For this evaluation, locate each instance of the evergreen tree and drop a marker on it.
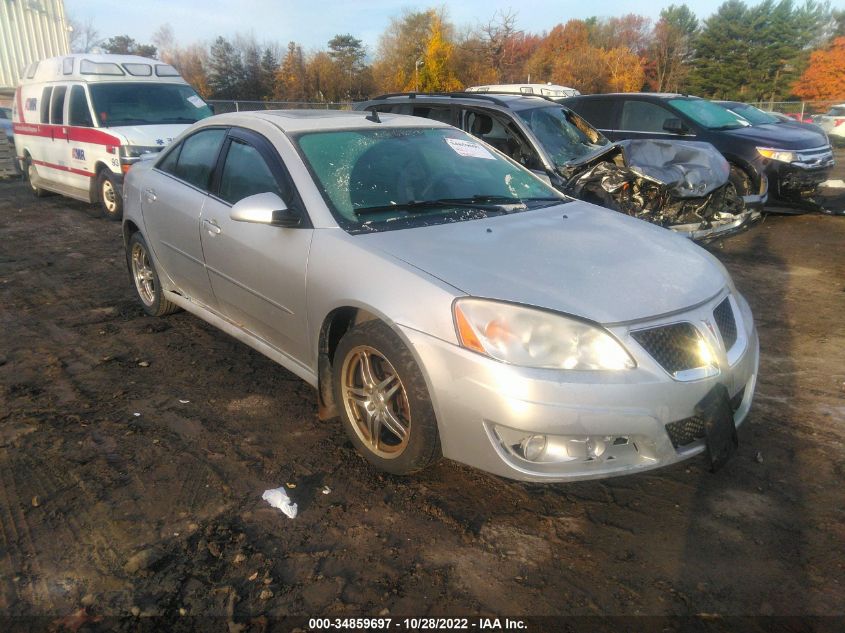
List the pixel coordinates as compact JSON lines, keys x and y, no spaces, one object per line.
{"x":252,"y":86}
{"x":225,"y":70}
{"x":348,"y":54}
{"x":269,"y":66}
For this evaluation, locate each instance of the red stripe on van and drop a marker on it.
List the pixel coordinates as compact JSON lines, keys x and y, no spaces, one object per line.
{"x":78,"y":134}
{"x":80,"y":172}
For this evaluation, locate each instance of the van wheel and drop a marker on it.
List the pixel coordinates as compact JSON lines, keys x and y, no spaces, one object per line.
{"x":110,"y":201}
{"x":383,"y":400}
{"x":32,"y":176}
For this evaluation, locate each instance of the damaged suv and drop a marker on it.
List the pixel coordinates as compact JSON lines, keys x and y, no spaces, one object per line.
{"x":683,"y":186}
{"x":787,"y":162}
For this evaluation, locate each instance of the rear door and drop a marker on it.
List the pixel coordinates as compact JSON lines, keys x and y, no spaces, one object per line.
{"x":172,"y":197}
{"x":257,"y":271}
{"x":645,"y":119}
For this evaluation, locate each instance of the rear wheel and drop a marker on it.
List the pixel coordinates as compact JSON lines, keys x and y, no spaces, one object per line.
{"x":145,"y":278}
{"x":383,"y":400}
{"x":110,"y":200}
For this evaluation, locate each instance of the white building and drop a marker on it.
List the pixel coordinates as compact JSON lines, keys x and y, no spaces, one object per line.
{"x":29,"y":30}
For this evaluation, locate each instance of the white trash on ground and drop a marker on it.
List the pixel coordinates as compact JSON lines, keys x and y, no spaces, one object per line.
{"x":278,"y":498}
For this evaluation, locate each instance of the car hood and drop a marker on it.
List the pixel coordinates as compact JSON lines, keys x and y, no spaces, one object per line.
{"x":780,"y":136}
{"x":574,"y":258}
{"x":149,"y":135}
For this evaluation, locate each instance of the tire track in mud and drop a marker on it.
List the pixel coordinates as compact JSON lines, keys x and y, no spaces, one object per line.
{"x":22,"y":552}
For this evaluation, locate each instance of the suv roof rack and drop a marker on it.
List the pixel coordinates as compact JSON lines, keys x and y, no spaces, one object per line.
{"x":485,"y":96}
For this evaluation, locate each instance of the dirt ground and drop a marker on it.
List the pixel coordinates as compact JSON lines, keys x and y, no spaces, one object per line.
{"x":134,"y":451}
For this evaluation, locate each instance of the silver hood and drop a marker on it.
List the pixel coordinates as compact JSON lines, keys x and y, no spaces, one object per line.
{"x":593,"y":263}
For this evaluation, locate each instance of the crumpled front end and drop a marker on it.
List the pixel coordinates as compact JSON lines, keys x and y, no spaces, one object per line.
{"x":680,"y":185}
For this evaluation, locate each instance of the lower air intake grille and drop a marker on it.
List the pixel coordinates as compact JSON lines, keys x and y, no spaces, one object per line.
{"x":724,"y":316}
{"x":685,"y":431}
{"x":674,"y":346}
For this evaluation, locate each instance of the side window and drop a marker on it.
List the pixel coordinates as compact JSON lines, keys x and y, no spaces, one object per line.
{"x":642,"y":116}
{"x":597,"y":112}
{"x":57,"y":105}
{"x":168,"y":163}
{"x":245,"y":173}
{"x":442,"y":114}
{"x":78,"y":112}
{"x":45,"y":104}
{"x":198,"y":156}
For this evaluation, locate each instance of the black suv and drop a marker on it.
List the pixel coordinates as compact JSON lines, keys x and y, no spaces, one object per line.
{"x":643,"y":179}
{"x":793,"y":160}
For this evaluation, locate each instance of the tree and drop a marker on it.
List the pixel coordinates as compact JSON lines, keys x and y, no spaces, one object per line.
{"x":83,"y":36}
{"x":348,"y":54}
{"x":269,"y":67}
{"x":437,"y":73}
{"x":671,"y":47}
{"x":824,"y":77}
{"x":225,"y":70}
{"x":401,"y":45}
{"x":291,"y":78}
{"x":253,"y":86}
{"x":125,"y":45}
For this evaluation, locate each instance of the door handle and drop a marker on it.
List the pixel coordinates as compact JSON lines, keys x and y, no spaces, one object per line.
{"x":151,"y":195}
{"x":212,"y":227}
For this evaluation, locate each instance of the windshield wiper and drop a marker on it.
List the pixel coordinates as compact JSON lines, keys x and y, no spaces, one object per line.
{"x":479,"y":201}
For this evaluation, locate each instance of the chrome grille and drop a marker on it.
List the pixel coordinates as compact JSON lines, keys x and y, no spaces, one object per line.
{"x":724,"y":316}
{"x":674,"y":346}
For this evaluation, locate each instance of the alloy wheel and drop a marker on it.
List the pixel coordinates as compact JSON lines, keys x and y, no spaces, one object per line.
{"x":142,"y":274}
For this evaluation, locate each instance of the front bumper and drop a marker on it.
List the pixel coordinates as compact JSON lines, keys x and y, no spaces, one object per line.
{"x":797,"y":183}
{"x":473,"y":396}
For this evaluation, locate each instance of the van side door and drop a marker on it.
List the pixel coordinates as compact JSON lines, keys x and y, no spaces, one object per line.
{"x":81,"y":152}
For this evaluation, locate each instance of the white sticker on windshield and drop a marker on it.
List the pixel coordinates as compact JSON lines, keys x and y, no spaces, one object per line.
{"x":198,"y":103}
{"x":469,"y":149}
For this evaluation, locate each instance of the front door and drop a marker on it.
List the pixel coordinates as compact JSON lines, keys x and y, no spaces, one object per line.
{"x":172,"y":199}
{"x":257,"y":271}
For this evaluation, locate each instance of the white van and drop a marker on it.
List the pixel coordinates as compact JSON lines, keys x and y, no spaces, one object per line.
{"x":543,"y":90}
{"x":81,"y":121}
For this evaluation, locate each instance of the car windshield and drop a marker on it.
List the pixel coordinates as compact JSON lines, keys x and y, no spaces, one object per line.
{"x":126,"y":103}
{"x":562,"y":133}
{"x":393,"y":178}
{"x":708,"y":114}
{"x":837,"y":111}
{"x":753,"y":115}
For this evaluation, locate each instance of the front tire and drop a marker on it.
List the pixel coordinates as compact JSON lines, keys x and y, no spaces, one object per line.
{"x":31,"y":172}
{"x":111,"y":203}
{"x":383,"y":400}
{"x":145,"y":278}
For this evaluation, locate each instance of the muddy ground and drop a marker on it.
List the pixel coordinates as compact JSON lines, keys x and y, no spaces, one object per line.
{"x":134,"y":451}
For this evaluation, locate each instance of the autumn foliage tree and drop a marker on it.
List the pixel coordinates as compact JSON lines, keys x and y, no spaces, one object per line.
{"x":824,"y":77}
{"x":437,"y":73}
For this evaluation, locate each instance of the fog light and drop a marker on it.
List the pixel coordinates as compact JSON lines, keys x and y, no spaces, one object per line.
{"x":533,"y":447}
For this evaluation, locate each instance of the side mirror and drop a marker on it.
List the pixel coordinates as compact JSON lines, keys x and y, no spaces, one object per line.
{"x":265,"y":208}
{"x":675,"y":126}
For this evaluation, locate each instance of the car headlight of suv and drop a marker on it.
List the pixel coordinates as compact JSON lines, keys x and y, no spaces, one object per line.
{"x":136,"y":151}
{"x":531,"y":337}
{"x":781,"y":155}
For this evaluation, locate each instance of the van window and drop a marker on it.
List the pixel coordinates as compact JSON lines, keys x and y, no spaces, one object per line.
{"x":245,"y":174}
{"x":642,"y":116}
{"x":197,"y":157}
{"x":78,"y":112}
{"x":67,"y":66}
{"x":45,"y":104}
{"x":57,"y":105}
{"x":127,"y":103}
{"x":598,"y":112}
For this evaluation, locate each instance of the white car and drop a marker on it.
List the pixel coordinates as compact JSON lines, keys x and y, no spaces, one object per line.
{"x":833,"y":122}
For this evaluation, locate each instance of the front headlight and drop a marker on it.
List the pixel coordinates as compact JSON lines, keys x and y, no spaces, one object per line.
{"x":136,"y":151}
{"x":782,"y":155}
{"x":530,"y":337}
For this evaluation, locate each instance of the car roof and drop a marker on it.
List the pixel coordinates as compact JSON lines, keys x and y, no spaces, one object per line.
{"x":322,"y":120}
{"x":498,"y":100}
{"x":654,"y":95}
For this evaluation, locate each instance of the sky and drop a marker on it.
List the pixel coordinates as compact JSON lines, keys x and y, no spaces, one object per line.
{"x":313,"y":24}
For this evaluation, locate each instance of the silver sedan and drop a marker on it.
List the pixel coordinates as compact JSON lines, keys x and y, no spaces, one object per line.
{"x":443,"y":300}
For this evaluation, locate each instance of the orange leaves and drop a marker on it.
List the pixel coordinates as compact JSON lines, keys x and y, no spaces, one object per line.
{"x":824,"y":77}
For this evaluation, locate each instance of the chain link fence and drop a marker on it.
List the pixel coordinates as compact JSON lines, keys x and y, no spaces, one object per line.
{"x":795,"y":109}
{"x":222,"y":106}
